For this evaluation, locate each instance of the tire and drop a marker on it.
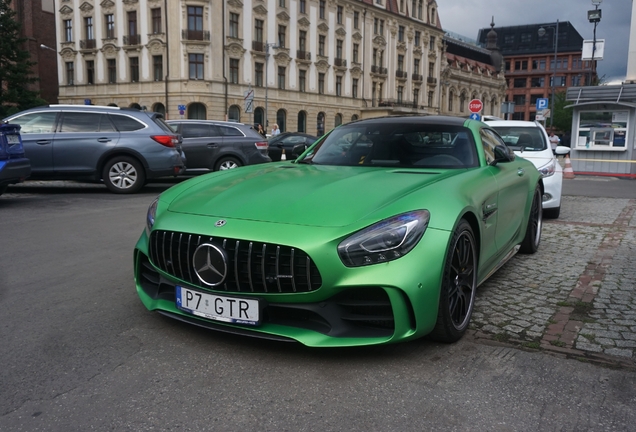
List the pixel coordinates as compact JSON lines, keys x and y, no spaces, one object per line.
{"x":227,"y":163}
{"x":124,"y":175}
{"x":552,"y":213}
{"x":530,"y":243}
{"x":459,"y":284}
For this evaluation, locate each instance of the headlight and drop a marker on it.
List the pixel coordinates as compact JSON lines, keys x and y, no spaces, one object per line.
{"x":384,"y":241}
{"x":548,"y":169}
{"x":150,"y":215}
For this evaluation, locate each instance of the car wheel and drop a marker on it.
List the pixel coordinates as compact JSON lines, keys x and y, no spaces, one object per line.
{"x":552,"y":213}
{"x":227,"y":163}
{"x":124,"y":175}
{"x":531,"y":241}
{"x":459,"y":283}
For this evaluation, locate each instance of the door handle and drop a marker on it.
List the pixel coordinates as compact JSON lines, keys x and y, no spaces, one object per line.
{"x":212,"y":145}
{"x":520,"y":172}
{"x":103,"y":139}
{"x":43,"y":142}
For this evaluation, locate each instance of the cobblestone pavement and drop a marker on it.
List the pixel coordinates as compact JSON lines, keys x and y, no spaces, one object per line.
{"x":577,"y":294}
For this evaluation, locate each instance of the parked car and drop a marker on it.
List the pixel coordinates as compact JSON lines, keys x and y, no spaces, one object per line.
{"x":211,"y":145}
{"x":14,"y":166}
{"x":530,"y":141}
{"x":124,"y":147}
{"x":289,"y":141}
{"x":380,"y":233}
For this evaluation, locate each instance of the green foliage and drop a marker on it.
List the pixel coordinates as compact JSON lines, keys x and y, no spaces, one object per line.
{"x":15,"y":73}
{"x":562,"y":120}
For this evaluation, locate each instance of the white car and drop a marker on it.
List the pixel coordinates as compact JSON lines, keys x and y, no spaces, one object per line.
{"x":529,"y":140}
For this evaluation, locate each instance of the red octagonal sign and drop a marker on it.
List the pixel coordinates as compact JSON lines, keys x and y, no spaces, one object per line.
{"x":475,"y":106}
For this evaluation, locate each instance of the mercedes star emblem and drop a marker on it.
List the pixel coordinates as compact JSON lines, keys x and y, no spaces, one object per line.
{"x":210,"y":264}
{"x":220,"y":223}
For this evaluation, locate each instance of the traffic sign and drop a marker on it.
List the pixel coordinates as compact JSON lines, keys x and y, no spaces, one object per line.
{"x":475,"y":116}
{"x":475,"y":106}
{"x":248,"y":99}
{"x":542,"y":103}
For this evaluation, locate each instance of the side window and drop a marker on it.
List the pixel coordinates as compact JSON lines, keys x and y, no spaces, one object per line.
{"x":80,"y":122}
{"x":490,"y":140}
{"x":195,"y":130}
{"x":230,"y":131}
{"x":39,"y":122}
{"x":124,"y":123}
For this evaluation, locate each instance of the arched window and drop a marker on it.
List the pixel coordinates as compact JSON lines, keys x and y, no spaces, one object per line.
{"x":302,"y":121}
{"x":462,"y":102}
{"x":338,"y":120}
{"x":320,"y":124}
{"x":451,"y":96}
{"x":281,"y":120}
{"x":259,"y":117}
{"x":197,"y":111}
{"x":135,"y":105}
{"x":493,"y":106}
{"x":159,"y":108}
{"x":354,"y":117}
{"x":234,"y":113}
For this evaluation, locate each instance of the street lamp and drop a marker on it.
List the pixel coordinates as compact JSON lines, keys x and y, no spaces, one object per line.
{"x":594,"y":16}
{"x":267,"y":47}
{"x":555,"y":42}
{"x":47,"y":47}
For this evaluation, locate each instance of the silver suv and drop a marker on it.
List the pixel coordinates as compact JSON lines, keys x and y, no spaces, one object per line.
{"x":124,"y":147}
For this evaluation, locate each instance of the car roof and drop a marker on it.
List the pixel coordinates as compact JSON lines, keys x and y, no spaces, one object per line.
{"x":216,"y":122}
{"x":433,"y":120}
{"x":514,"y":123}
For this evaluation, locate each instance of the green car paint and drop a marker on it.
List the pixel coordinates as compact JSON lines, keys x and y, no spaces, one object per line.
{"x":315,"y":207}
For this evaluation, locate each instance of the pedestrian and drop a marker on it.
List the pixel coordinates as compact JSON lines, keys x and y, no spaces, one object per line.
{"x":275,"y":130}
{"x":260,"y":130}
{"x":554,"y":141}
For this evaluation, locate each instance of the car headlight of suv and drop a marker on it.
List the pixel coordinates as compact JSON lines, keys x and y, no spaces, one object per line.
{"x":548,"y":169}
{"x":150,"y":215}
{"x":384,"y":241}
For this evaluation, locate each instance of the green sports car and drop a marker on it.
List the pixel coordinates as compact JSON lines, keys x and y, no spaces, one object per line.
{"x":379,"y":232}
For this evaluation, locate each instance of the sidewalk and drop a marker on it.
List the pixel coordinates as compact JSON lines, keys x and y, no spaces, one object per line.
{"x":575,"y":296}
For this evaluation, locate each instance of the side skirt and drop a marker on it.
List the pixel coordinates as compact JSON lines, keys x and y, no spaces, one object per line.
{"x":504,"y":260}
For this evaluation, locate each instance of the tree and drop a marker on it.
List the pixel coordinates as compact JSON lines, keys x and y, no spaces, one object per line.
{"x":15,"y":66}
{"x":562,"y":120}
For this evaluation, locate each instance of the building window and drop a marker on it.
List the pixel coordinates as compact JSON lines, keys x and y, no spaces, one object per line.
{"x":521,"y":65}
{"x":401,"y":33}
{"x":303,"y":6}
{"x":155,"y":16}
{"x":400,"y":62}
{"x":302,"y":40}
{"x":600,"y":130}
{"x":400,"y":94}
{"x":90,"y":72}
{"x":519,"y":99}
{"x":416,"y":97}
{"x":112,"y":71}
{"x":258,"y":30}
{"x":430,"y":98}
{"x":339,"y":49}
{"x":321,"y":9}
{"x":576,"y":80}
{"x":282,"y":3}
{"x":416,"y":66}
{"x":451,"y":96}
{"x":134,"y":69}
{"x":157,"y":67}
{"x":354,"y":88}
{"x":537,"y":82}
{"x":420,"y":8}
{"x":378,"y":26}
{"x":356,"y":49}
{"x":417,"y":39}
{"x":431,"y":69}
{"x":431,"y":43}
{"x":196,"y":66}
{"x":68,"y":30}
{"x":258,"y":74}
{"x":462,"y":102}
{"x":302,"y":79}
{"x":281,"y":77}
{"x":339,"y":15}
{"x":519,"y":82}
{"x":526,"y":37}
{"x":110,"y":26}
{"x":518,"y":116}
{"x":558,"y":81}
{"x":356,"y":20}
{"x":282,"y":31}
{"x":132,"y":23}
{"x":234,"y":25}
{"x":234,"y":71}
{"x":88,"y":28}
{"x":338,"y":85}
{"x":374,"y":58}
{"x":321,"y":83}
{"x":321,"y":45}
{"x":70,"y":73}
{"x":195,"y":18}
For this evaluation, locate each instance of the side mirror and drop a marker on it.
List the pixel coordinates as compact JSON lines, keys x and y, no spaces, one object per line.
{"x":297,"y":150}
{"x":561,"y":150}
{"x":503,"y":154}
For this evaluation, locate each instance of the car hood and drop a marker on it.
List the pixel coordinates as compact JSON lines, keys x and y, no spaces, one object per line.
{"x":538,"y":158}
{"x":296,"y":194}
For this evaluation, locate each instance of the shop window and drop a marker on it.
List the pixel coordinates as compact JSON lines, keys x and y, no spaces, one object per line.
{"x":602,"y":130}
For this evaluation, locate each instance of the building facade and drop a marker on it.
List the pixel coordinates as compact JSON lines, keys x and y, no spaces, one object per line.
{"x":37,"y":18}
{"x":307,"y":65}
{"x":540,"y":59}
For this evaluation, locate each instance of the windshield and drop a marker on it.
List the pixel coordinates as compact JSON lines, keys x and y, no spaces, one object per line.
{"x":408,"y":145}
{"x":523,"y":138}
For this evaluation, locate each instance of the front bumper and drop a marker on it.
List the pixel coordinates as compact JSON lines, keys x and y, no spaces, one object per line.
{"x":552,"y":189}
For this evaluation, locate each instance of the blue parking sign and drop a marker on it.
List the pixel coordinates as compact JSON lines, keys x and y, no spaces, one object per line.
{"x":542,"y":103}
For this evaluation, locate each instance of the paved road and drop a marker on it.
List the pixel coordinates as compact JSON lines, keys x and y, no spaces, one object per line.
{"x":80,"y":352}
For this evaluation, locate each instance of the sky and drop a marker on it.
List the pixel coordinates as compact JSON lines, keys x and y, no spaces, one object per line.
{"x":466,"y":17}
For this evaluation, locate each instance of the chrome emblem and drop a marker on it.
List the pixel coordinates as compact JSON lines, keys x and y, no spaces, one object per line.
{"x":210,"y":264}
{"x":220,"y":223}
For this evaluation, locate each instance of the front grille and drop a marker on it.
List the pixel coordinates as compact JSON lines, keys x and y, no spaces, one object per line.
{"x":252,"y":266}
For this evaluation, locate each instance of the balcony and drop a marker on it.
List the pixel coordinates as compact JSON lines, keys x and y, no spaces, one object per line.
{"x":340,"y":62}
{"x":431,"y":80}
{"x":195,"y":35}
{"x":401,"y":74}
{"x":417,"y":77}
{"x":88,"y":44}
{"x":379,"y":70}
{"x":258,"y":46}
{"x":303,"y":55}
{"x":132,"y":39}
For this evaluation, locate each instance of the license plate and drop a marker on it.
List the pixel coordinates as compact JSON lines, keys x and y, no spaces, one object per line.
{"x":219,"y":308}
{"x":13,"y":139}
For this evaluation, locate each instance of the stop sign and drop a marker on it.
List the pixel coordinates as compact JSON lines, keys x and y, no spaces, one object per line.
{"x":475,"y":106}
